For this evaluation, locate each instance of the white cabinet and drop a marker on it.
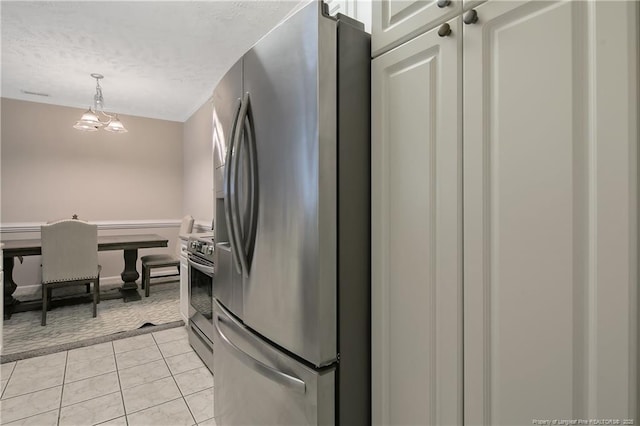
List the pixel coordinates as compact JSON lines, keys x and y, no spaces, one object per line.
{"x":356,"y":9}
{"x":1,"y":307}
{"x":550,"y":211}
{"x":1,"y":296}
{"x":416,"y":218}
{"x":505,"y":217}
{"x":396,"y":21}
{"x":184,"y":281}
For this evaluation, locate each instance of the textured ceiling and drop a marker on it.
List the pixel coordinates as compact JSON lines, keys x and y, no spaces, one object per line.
{"x":160,"y":59}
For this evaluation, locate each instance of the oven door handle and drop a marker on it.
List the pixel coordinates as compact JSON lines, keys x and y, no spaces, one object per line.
{"x":200,"y":267}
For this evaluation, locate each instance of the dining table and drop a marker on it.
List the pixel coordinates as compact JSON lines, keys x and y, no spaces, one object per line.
{"x":129,"y":244}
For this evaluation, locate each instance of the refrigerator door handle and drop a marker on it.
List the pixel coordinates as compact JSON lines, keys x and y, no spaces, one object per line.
{"x":233,"y":238}
{"x":235,"y":210}
{"x":270,"y":373}
{"x":251,"y":150}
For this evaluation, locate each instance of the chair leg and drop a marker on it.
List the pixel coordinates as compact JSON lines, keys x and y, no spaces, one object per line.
{"x":44,"y":304}
{"x":96,"y":291}
{"x":146,"y":278}
{"x":88,"y":287}
{"x":144,"y":268}
{"x":49,"y":297}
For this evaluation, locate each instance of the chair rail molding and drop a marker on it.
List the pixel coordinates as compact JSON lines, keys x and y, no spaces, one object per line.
{"x":20,"y":227}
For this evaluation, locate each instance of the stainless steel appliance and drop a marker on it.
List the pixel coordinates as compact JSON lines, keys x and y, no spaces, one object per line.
{"x":200,"y":253}
{"x":291,"y":307}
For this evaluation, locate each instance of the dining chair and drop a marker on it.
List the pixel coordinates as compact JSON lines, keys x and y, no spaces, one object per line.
{"x":69,"y":257}
{"x":153,"y":261}
{"x":75,"y":216}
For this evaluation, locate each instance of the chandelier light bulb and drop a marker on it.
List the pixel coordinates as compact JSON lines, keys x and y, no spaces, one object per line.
{"x":116,"y":126}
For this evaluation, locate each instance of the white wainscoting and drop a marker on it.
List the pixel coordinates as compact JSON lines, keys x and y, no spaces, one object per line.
{"x":20,"y":227}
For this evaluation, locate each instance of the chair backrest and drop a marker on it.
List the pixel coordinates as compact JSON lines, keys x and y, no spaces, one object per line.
{"x":69,"y":250}
{"x":186,"y":226}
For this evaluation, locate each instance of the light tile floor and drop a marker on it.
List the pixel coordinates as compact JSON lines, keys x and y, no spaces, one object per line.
{"x":152,"y":379}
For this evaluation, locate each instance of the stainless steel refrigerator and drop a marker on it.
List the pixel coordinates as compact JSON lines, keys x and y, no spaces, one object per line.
{"x":291,"y":314}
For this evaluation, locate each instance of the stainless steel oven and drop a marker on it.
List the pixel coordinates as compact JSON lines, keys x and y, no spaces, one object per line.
{"x":201,"y":277}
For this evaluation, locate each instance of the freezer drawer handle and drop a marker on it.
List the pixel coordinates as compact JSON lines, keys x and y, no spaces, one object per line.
{"x":270,"y":373}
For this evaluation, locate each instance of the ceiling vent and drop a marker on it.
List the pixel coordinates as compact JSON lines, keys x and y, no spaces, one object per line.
{"x":27,"y":92}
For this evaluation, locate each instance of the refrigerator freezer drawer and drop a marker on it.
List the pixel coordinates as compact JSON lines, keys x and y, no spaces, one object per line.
{"x":257,"y":384}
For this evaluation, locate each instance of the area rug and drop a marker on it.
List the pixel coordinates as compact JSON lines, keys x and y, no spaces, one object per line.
{"x":73,"y":326}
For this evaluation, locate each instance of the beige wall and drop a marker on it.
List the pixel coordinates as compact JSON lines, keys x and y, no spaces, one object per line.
{"x":50,"y":170}
{"x":198,"y":165}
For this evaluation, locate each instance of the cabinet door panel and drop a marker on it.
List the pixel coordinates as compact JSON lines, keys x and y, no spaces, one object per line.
{"x":470,"y":4}
{"x":356,"y":9}
{"x":184,"y":290}
{"x":416,"y":234}
{"x":396,"y":21}
{"x":550,"y":212}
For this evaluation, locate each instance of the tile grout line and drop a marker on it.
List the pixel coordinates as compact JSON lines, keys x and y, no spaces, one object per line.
{"x":64,"y":376}
{"x":65,"y":382}
{"x":9,"y":378}
{"x":95,"y":375}
{"x":162,"y":378}
{"x":124,"y":408}
{"x":176,"y":382}
{"x":15,"y":367}
{"x":28,"y":393}
{"x":33,"y":415}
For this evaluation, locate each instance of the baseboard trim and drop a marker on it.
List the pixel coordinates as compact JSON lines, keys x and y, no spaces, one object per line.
{"x":113,"y":281}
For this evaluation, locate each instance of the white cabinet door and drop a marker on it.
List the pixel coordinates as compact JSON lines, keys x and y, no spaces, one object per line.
{"x":469,"y":4}
{"x":416,"y":233}
{"x":396,"y":21}
{"x":550,"y":212}
{"x":184,"y":282}
{"x":356,"y":9}
{"x":1,"y":306}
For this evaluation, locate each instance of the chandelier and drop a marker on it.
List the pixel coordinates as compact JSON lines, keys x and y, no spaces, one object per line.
{"x":90,"y":122}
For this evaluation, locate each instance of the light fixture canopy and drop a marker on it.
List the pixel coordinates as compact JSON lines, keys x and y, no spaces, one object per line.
{"x":89,"y":122}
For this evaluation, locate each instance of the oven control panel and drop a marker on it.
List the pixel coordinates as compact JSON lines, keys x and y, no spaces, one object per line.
{"x":201,"y":247}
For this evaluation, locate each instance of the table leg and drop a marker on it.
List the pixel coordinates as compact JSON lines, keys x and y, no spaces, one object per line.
{"x":129,"y":289}
{"x":9,"y":287}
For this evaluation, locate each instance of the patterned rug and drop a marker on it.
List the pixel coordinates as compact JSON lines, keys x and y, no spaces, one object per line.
{"x":72,"y":325}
